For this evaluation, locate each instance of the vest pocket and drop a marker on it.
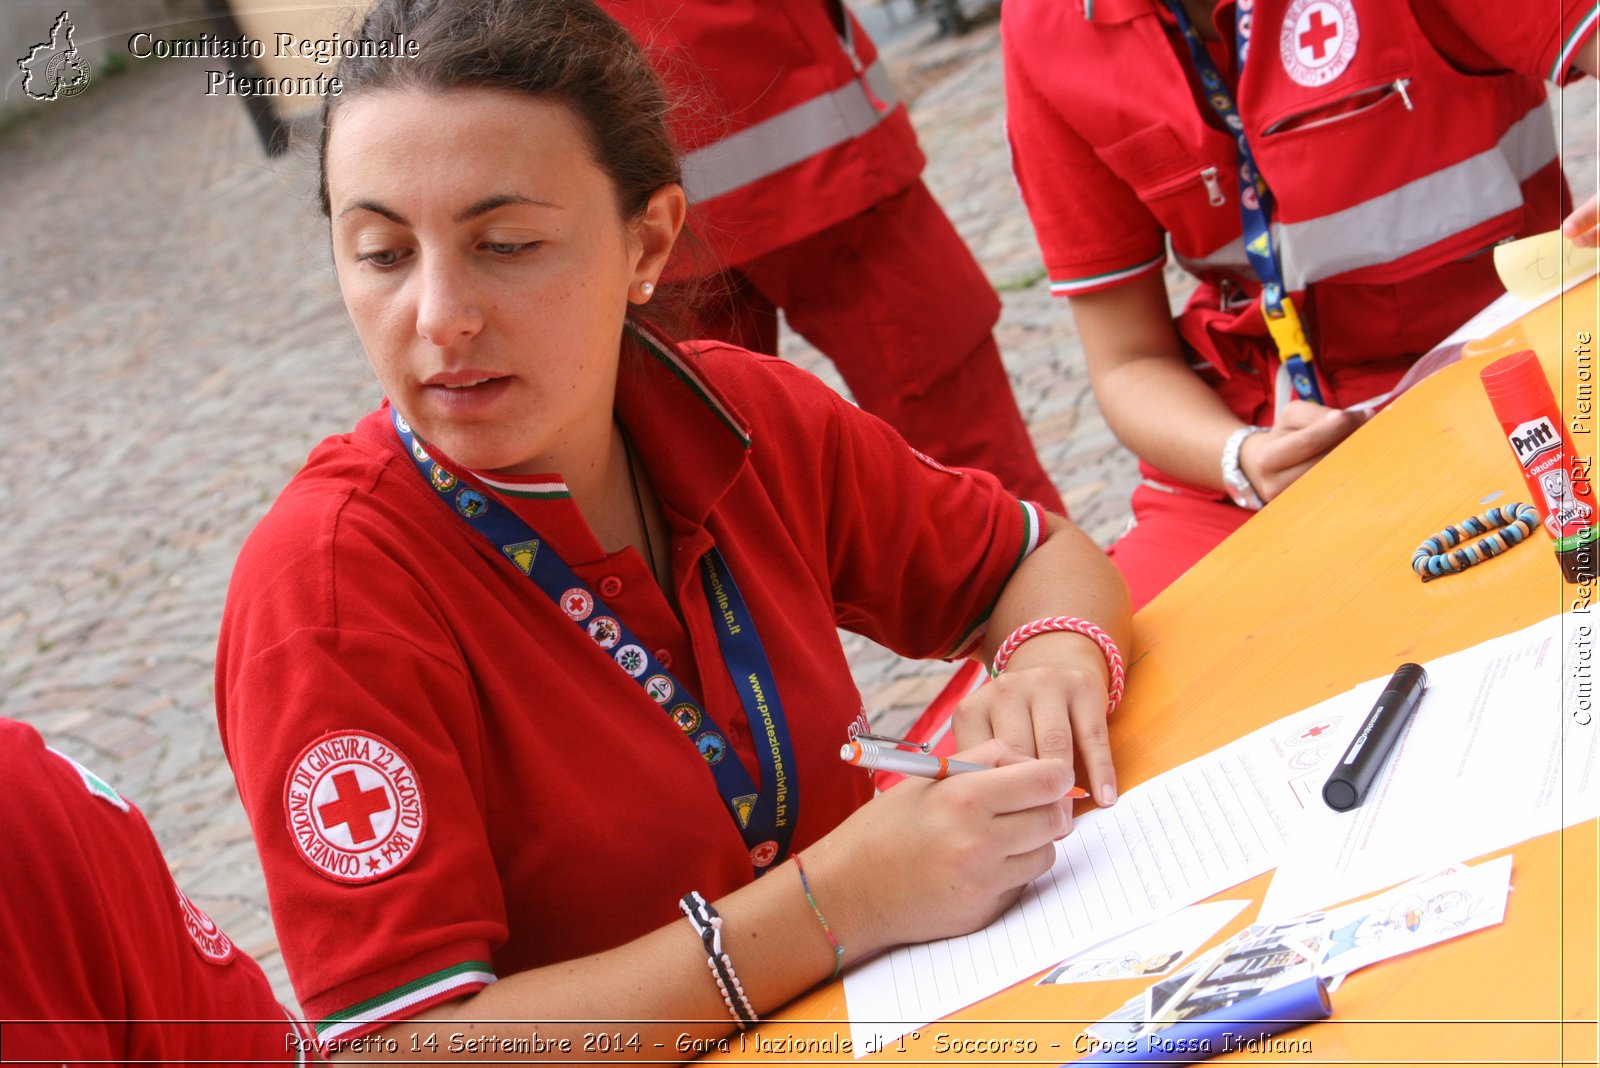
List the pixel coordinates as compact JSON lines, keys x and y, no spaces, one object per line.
{"x":1359,"y":104}
{"x":1157,"y":164}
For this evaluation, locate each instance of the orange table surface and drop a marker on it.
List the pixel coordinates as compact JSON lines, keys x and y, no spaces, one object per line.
{"x":1311,"y":597}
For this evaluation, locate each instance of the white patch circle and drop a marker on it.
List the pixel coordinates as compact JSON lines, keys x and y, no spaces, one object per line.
{"x":208,"y":939}
{"x":354,"y":807}
{"x":577,"y":603}
{"x":1318,"y":40}
{"x":632,"y":659}
{"x":605,"y":631}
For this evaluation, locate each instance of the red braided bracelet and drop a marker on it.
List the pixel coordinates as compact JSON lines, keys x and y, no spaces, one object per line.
{"x":1051,"y":624}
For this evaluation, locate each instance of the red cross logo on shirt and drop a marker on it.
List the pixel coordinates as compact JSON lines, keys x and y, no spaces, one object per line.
{"x":1318,"y":40}
{"x":355,"y":807}
{"x":1317,"y":35}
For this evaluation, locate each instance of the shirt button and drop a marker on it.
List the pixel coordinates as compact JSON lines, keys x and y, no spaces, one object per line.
{"x":664,"y":658}
{"x":610,"y":586}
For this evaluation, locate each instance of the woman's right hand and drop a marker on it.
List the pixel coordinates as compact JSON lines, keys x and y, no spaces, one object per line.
{"x":1303,"y":434}
{"x":929,"y":859}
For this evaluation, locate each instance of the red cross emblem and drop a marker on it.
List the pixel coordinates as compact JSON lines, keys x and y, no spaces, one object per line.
{"x":577,"y":603}
{"x":354,"y":806}
{"x":1318,"y":40}
{"x":1317,"y":35}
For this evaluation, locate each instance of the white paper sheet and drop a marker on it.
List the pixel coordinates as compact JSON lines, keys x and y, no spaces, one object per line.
{"x":1170,"y":842}
{"x":1153,"y":950}
{"x":1497,"y":752}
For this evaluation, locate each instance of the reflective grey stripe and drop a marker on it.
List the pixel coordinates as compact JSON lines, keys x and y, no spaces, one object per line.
{"x":1404,"y":220}
{"x":789,"y":136}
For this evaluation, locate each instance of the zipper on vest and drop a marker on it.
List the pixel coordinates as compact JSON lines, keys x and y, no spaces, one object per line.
{"x":1213,"y":187}
{"x":1346,"y":107}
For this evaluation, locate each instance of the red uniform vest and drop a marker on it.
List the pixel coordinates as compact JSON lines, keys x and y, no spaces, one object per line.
{"x":1394,"y":170}
{"x":786,"y":117}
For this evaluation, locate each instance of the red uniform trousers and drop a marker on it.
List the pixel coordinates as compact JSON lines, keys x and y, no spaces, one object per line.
{"x":1171,"y":531}
{"x":895,"y":299}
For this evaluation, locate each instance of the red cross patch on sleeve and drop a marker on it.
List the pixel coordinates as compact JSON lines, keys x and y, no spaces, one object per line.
{"x":354,"y":807}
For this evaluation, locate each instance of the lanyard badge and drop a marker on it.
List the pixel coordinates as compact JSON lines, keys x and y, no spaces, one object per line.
{"x":765,"y":818}
{"x":1255,"y":208}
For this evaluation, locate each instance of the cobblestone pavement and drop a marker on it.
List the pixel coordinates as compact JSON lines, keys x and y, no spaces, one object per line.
{"x":175,"y":344}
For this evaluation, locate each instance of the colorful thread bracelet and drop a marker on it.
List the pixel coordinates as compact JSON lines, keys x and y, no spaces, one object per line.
{"x":1438,"y":556}
{"x":838,"y":950}
{"x":1052,"y":624}
{"x":708,"y":925}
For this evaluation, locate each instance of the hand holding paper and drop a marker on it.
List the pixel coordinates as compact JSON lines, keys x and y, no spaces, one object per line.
{"x":1545,"y":263}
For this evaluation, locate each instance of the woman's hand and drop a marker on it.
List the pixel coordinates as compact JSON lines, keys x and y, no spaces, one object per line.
{"x":1582,"y":227}
{"x":1050,"y":705}
{"x":929,"y":859}
{"x":1303,"y":434}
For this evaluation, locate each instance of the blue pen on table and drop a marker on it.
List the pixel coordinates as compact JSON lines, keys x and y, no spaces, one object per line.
{"x":1243,"y":1026}
{"x":875,"y":757}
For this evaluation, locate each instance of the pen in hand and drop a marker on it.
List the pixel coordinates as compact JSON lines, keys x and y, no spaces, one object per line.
{"x":875,"y":757}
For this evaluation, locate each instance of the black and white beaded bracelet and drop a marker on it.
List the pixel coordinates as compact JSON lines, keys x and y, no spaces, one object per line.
{"x":708,"y":925}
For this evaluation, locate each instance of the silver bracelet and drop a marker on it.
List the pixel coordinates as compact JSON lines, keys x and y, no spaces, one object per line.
{"x":1233,"y":477}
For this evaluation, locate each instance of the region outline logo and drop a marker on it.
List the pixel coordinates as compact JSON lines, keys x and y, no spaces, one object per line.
{"x":54,"y":68}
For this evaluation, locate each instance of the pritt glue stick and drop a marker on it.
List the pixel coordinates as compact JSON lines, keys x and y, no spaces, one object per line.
{"x":1531,"y":421}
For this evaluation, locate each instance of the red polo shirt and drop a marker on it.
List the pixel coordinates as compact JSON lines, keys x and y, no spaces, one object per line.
{"x":106,"y":960}
{"x":523,"y":801}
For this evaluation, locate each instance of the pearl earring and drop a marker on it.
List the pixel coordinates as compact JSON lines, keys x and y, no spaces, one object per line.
{"x":647,"y":288}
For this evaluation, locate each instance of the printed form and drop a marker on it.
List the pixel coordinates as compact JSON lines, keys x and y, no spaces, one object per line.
{"x":1501,"y":749}
{"x":1170,"y":842}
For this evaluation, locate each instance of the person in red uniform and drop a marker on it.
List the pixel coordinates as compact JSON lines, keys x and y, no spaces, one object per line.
{"x":1392,"y":145}
{"x":106,"y":959}
{"x":804,"y":172}
{"x":550,"y":640}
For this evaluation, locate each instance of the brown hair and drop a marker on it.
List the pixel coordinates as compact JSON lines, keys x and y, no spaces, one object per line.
{"x":567,"y":50}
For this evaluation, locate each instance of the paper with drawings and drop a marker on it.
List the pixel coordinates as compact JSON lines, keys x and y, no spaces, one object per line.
{"x":1414,"y":916}
{"x":1153,"y":950}
{"x":1168,"y":843}
{"x":1500,"y":750}
{"x":1268,"y":956}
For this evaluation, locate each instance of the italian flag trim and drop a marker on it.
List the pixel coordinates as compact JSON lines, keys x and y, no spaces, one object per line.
{"x":1067,"y":287}
{"x":668,"y":354}
{"x":392,"y":1006}
{"x":1576,"y":38}
{"x":548,"y":490}
{"x":1032,"y":533}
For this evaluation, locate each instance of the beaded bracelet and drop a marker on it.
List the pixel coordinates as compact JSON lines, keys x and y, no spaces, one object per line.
{"x":1050,"y":624}
{"x":1433,"y":558}
{"x":838,"y":950}
{"x":708,"y":925}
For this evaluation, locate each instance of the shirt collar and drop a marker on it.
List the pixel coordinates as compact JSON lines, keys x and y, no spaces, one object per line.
{"x":690,"y":439}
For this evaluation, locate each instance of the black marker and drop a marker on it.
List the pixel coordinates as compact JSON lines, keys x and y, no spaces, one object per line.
{"x":1352,"y":777}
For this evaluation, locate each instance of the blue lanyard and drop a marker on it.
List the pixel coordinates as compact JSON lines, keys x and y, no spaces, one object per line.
{"x":765,"y":819}
{"x":1255,"y":208}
